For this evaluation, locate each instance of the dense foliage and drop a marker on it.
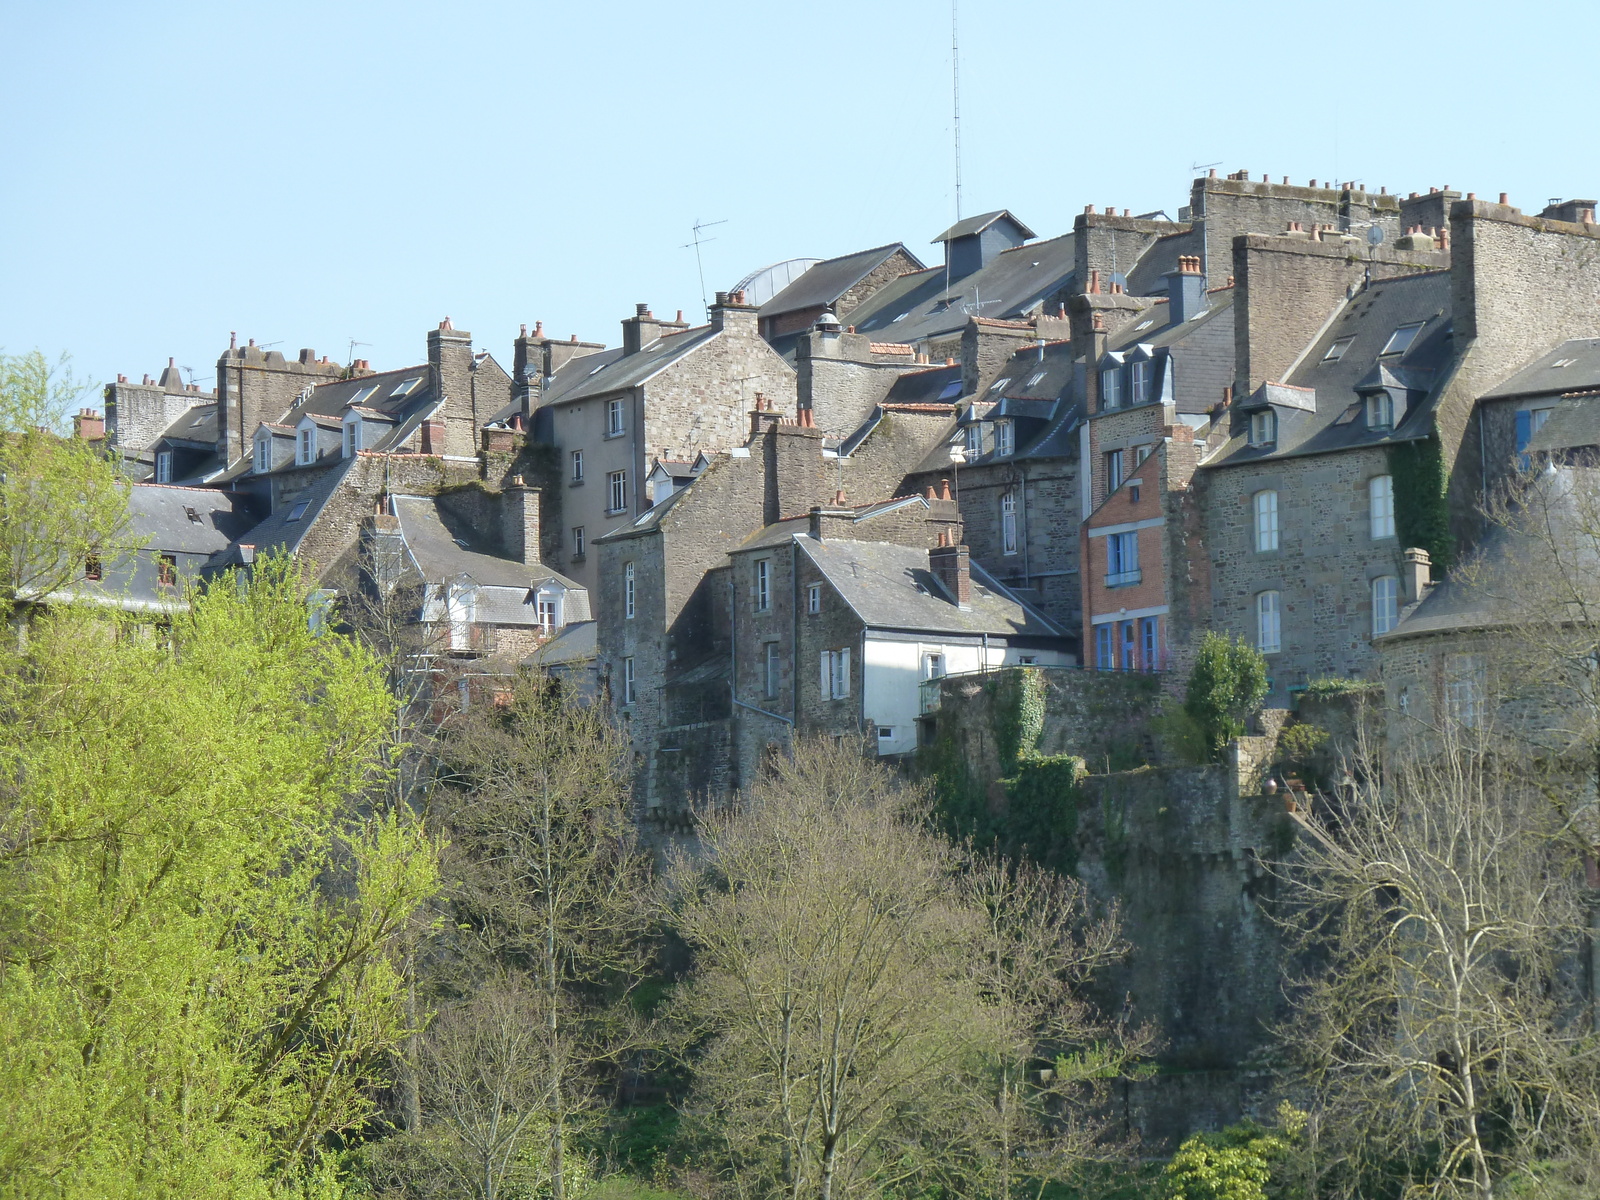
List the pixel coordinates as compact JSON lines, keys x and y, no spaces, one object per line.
{"x":1227,"y":684}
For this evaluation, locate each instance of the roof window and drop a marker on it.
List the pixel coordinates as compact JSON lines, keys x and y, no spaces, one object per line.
{"x":1144,"y":324}
{"x":1563,"y":362}
{"x":951,"y":391}
{"x":192,"y":515}
{"x":407,"y":387}
{"x":1336,"y":351}
{"x":364,"y":394}
{"x":298,"y":511}
{"x":901,"y":317}
{"x":1400,"y":340}
{"x":999,"y":383}
{"x":1033,"y":380}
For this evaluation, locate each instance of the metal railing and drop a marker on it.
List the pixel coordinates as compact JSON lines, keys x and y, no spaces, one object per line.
{"x":1124,"y":578}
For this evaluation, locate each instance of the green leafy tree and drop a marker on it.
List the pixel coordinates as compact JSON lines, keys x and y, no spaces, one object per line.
{"x":1227,"y":684}
{"x":61,"y":498}
{"x":1235,"y":1164}
{"x":201,"y":897}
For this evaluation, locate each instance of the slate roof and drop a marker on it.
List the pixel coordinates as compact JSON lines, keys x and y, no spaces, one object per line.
{"x":1580,"y":372}
{"x":277,"y":533}
{"x":932,"y":385}
{"x":430,"y":535}
{"x":576,"y":642}
{"x":377,"y":392}
{"x":187,"y":520}
{"x":974,"y":225}
{"x":1368,"y":319}
{"x":1145,"y":278}
{"x":1573,"y":422}
{"x":612,"y":371}
{"x":831,"y":278}
{"x":198,"y":425}
{"x":890,"y":587}
{"x":918,"y":305}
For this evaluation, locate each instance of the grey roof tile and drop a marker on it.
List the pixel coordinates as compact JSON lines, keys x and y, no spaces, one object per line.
{"x":831,"y":278}
{"x":431,"y":535}
{"x":1579,"y":371}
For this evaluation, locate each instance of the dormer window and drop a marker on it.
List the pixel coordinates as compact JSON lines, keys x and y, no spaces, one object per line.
{"x":1400,"y":340}
{"x":1141,"y":374}
{"x":974,"y":440}
{"x":1005,"y":438}
{"x":1110,"y":388}
{"x":352,"y":436}
{"x":306,"y":447}
{"x":1263,"y":428}
{"x":263,"y":455}
{"x":164,"y":467}
{"x":1380,"y":411}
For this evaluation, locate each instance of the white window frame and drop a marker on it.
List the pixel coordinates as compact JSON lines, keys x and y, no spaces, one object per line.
{"x":1113,"y":460}
{"x":352,"y":437}
{"x":974,"y":439}
{"x":1008,"y":521}
{"x":628,"y":592}
{"x":629,"y":681}
{"x":1265,"y":505}
{"x":1005,"y":438}
{"x":835,"y":679}
{"x":1380,"y":503}
{"x":1269,"y":621}
{"x":1411,"y":330}
{"x":814,"y":598}
{"x":305,"y":447}
{"x":1385,"y":604}
{"x":1140,"y":375}
{"x":1111,"y":387}
{"x":577,"y":466}
{"x":263,"y":455}
{"x":164,"y":466}
{"x":1263,"y":428}
{"x":579,"y":541}
{"x":1464,"y":687}
{"x":933,"y":664}
{"x":763,"y":585}
{"x":547,"y":610}
{"x":617,"y":492}
{"x":1336,"y":350}
{"x":1380,"y":411}
{"x":614,"y":418}
{"x":1122,"y":559}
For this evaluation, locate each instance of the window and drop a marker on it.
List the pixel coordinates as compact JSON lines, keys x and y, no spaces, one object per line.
{"x":1033,"y":380}
{"x":1102,"y":647}
{"x":579,"y":542}
{"x":618,"y":482}
{"x":763,"y":584}
{"x":1140,"y":453}
{"x":406,"y":386}
{"x":263,"y":456}
{"x":1336,"y":351}
{"x":1149,"y":641}
{"x":298,"y":511}
{"x":974,"y":440}
{"x":1464,"y":677}
{"x":933,"y":665}
{"x":91,"y":567}
{"x":1400,"y":340}
{"x":577,"y":466}
{"x":951,"y":390}
{"x":1122,"y":559}
{"x":1266,"y":505}
{"x":1263,"y":428}
{"x":1005,"y":437}
{"x":628,"y":694}
{"x":613,"y":417}
{"x":1141,"y":376}
{"x":1028,"y":660}
{"x":1269,"y":629}
{"x":1110,"y":388}
{"x":627,"y":592}
{"x":1385,"y":603}
{"x":547,"y":613}
{"x":886,"y":733}
{"x":814,"y":598}
{"x":1380,"y":501}
{"x":1380,"y":411}
{"x":1133,"y":490}
{"x":1113,"y":460}
{"x":836,"y":673}
{"x":167,"y":570}
{"x":1529,"y":422}
{"x":770,"y":672}
{"x":1129,"y":661}
{"x":164,"y":467}
{"x":364,"y":394}
{"x":352,"y":438}
{"x":308,"y":447}
{"x":1008,"y":522}
{"x":999,"y":384}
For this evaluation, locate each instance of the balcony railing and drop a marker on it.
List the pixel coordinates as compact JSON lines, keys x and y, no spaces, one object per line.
{"x":1124,"y":578}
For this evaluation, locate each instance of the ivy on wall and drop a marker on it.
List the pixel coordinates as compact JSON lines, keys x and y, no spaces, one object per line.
{"x":1420,"y":514}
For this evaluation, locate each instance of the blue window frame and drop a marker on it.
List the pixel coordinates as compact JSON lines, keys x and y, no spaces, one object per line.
{"x":1129,"y":647}
{"x":1103,"y":658}
{"x":1148,"y":642}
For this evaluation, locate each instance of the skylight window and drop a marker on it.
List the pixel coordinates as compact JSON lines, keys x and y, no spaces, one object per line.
{"x":1033,"y":380}
{"x":1400,"y":340}
{"x":1144,"y":324}
{"x":951,"y":391}
{"x":407,"y":387}
{"x":364,"y":394}
{"x":999,"y":383}
{"x":1336,"y":351}
{"x":901,"y":317}
{"x":1563,"y":362}
{"x":298,"y":511}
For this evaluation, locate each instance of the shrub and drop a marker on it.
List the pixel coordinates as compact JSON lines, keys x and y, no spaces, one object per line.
{"x":1227,"y":684}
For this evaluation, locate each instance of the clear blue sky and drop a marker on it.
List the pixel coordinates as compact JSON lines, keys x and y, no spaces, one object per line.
{"x":309,"y":173}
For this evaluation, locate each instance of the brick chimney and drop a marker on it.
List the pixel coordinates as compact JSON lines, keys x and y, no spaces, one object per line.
{"x":519,"y":521}
{"x":1418,"y":573}
{"x":952,"y":567}
{"x":89,"y":425}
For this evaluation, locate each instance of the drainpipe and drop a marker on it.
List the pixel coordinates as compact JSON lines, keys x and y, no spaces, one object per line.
{"x":794,"y":632}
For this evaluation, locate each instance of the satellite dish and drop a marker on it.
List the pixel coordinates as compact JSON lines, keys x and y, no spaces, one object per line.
{"x":1375,"y":235}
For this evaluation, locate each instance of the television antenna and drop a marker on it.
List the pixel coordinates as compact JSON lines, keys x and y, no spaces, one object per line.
{"x":352,"y":353}
{"x":697,"y":243}
{"x":1193,"y":167}
{"x":955,"y":95}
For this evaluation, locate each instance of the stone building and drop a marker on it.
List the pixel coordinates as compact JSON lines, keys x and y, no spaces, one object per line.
{"x":160,"y":427}
{"x":834,"y":285}
{"x":668,"y":392}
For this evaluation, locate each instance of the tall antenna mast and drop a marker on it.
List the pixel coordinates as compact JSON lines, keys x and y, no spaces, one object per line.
{"x":955,"y":95}
{"x":697,"y":243}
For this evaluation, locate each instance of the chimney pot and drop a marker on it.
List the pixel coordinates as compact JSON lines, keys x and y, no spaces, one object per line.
{"x":721,"y":299}
{"x":838,"y":498}
{"x":445,"y":324}
{"x":642,"y":310}
{"x":1088,"y":210}
{"x":538,"y":329}
{"x":944,"y":489}
{"x":1212,"y":173}
{"x":233,"y":340}
{"x":1472,"y":195}
{"x":523,"y":331}
{"x":1504,"y":198}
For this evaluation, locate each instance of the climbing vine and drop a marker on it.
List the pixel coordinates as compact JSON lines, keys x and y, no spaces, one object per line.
{"x":1421,"y":515}
{"x":1018,"y":715}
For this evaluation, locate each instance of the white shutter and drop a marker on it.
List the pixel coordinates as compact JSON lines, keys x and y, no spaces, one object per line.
{"x":844,"y":672}
{"x":827,"y":674}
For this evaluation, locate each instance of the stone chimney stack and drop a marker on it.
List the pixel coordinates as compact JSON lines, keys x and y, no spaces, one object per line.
{"x":450,"y":358}
{"x":1418,"y":573}
{"x":639,"y":330}
{"x":952,"y":567}
{"x":1186,"y":290}
{"x":732,"y":309}
{"x":519,"y":518}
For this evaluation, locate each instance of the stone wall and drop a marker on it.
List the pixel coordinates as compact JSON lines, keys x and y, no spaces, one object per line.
{"x":1228,"y":208}
{"x":255,"y":385}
